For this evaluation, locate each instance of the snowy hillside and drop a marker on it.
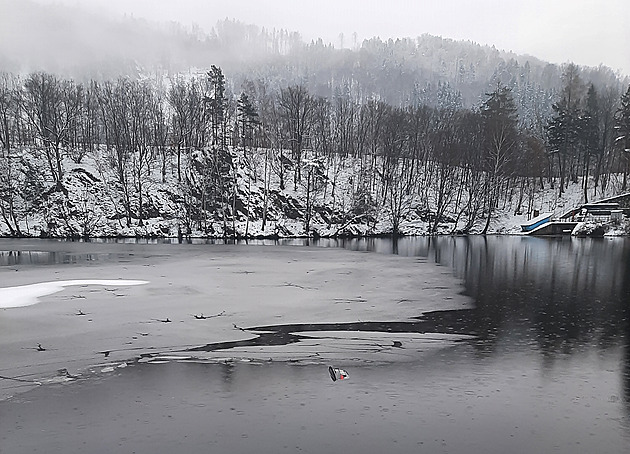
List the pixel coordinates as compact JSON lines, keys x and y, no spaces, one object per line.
{"x":90,"y":205}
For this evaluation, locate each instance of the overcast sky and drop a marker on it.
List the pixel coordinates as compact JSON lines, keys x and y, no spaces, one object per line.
{"x":586,"y":32}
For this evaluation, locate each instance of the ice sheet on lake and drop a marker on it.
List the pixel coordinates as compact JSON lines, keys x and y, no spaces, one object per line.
{"x":27,"y":295}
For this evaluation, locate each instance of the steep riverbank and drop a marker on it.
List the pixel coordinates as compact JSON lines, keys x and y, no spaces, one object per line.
{"x":89,"y":205}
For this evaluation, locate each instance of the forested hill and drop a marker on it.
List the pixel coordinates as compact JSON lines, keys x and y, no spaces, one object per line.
{"x":142,"y":157}
{"x":147,"y":130}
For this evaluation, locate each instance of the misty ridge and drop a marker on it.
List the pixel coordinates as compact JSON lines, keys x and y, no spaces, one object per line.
{"x":81,"y":45}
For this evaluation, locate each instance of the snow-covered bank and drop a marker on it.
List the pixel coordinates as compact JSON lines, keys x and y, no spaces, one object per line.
{"x":90,"y":205}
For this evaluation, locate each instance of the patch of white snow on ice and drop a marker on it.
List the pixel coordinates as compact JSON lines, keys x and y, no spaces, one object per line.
{"x":27,"y":295}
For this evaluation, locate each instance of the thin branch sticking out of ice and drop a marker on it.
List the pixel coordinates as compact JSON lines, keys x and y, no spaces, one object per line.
{"x":27,"y":295}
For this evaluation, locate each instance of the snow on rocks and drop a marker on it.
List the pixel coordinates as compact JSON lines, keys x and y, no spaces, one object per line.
{"x":91,"y":205}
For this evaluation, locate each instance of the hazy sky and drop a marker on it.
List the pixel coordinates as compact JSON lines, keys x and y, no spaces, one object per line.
{"x":587,"y":32}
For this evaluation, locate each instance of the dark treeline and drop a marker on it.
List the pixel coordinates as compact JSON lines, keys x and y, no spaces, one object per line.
{"x":229,"y":155}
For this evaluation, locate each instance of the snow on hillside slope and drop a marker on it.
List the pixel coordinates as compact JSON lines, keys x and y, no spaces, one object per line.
{"x":93,"y":207}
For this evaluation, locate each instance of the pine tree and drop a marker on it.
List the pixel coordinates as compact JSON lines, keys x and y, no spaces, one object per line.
{"x":589,"y":135}
{"x":247,"y":119}
{"x":564,"y":128}
{"x":217,"y":105}
{"x":500,"y":121}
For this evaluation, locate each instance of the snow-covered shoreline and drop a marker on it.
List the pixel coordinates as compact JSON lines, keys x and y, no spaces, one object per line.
{"x":90,"y":208}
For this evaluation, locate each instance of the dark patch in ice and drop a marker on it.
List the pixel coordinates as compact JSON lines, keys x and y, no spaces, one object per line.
{"x":263,"y":340}
{"x":439,"y":322}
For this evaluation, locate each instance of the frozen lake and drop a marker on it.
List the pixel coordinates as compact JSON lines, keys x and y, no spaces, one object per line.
{"x":453,"y":345}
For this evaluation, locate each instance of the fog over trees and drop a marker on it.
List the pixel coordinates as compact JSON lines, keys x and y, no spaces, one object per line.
{"x":249,"y":125}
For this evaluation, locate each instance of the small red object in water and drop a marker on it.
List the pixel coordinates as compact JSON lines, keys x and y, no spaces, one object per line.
{"x":337,"y":374}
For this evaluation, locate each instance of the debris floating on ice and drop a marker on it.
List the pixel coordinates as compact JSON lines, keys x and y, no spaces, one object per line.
{"x":337,"y":374}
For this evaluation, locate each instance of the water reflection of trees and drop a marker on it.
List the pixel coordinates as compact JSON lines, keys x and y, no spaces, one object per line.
{"x":552,"y":294}
{"x":566,"y":293}
{"x":557,"y":296}
{"x":26,"y":257}
{"x":625,"y":296}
